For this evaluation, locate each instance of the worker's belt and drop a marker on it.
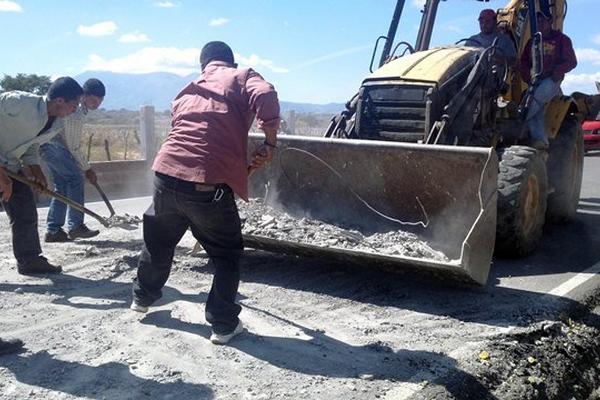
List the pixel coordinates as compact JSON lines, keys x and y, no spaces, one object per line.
{"x":203,"y":187}
{"x":186,"y":186}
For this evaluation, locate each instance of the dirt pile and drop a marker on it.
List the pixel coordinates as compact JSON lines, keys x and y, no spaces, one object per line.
{"x":549,"y":360}
{"x":262,"y":220}
{"x":556,"y":360}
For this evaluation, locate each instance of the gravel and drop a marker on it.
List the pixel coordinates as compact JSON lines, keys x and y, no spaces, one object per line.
{"x":262,"y":220}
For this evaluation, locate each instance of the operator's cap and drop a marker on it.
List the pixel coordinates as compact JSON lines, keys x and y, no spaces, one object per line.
{"x":488,"y":13}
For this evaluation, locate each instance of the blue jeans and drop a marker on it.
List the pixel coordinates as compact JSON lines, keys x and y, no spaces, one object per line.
{"x":68,"y":181}
{"x":536,"y":118}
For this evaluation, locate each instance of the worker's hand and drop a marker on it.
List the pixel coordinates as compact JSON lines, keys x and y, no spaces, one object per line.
{"x":261,"y":156}
{"x":91,"y":176}
{"x":34,"y":173}
{"x":5,"y":186}
{"x":557,"y":76}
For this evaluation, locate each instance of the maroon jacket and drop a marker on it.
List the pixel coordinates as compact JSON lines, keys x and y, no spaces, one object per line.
{"x":558,"y":56}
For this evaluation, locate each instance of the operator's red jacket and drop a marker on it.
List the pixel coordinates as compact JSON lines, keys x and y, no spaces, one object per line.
{"x":558,"y":56}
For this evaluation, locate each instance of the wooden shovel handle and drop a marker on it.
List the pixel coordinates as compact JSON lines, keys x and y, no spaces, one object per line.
{"x":57,"y":196}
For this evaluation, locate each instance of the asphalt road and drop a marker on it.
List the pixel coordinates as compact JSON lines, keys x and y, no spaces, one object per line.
{"x":568,"y":262}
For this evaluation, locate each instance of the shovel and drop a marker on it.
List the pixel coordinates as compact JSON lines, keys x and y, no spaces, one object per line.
{"x":110,"y":207}
{"x":126,"y":221}
{"x":58,"y":197}
{"x":122,"y":221}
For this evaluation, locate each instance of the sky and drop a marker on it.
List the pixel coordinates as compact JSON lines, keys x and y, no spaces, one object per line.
{"x":313,"y":51}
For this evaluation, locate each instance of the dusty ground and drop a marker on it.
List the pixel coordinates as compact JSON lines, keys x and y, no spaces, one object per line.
{"x":315,"y":331}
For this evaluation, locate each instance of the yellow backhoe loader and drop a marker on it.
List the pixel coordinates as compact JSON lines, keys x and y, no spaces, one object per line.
{"x":435,"y":138}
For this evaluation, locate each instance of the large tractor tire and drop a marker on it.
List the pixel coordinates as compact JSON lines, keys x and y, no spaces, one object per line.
{"x":522,"y":192}
{"x":565,"y":171}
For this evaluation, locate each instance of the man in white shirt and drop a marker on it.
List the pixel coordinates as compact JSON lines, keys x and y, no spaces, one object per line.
{"x":66,"y":161}
{"x":26,"y":122}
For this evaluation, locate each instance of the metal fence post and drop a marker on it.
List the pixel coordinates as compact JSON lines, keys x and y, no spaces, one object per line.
{"x":148,"y":140}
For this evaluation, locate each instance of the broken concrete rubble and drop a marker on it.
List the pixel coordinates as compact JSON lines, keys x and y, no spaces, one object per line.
{"x":262,"y":220}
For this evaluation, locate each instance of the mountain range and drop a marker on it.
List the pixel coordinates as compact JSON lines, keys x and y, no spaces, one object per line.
{"x":130,"y":91}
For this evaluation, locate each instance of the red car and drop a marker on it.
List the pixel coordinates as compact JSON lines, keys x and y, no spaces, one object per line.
{"x":591,"y":135}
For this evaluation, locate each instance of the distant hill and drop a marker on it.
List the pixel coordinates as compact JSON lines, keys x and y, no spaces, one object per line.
{"x":130,"y":91}
{"x":329,"y":108}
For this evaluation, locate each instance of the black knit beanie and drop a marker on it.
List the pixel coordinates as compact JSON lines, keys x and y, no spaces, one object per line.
{"x":216,"y":51}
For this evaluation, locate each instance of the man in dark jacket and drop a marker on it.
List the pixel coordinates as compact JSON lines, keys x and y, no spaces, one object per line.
{"x":558,"y":58}
{"x":199,"y":167}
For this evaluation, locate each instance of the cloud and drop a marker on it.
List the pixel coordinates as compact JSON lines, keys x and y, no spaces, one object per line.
{"x":105,"y":28}
{"x":418,"y":3}
{"x":596,"y":38}
{"x":165,"y":4}
{"x":150,"y":59}
{"x":168,"y":59}
{"x":255,"y":61}
{"x":333,"y":55}
{"x":590,"y":55}
{"x":585,"y":83}
{"x":10,"y":6}
{"x":218,"y":21}
{"x":134,"y":37}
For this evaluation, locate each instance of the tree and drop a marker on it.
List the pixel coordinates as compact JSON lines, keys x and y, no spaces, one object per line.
{"x":32,"y":83}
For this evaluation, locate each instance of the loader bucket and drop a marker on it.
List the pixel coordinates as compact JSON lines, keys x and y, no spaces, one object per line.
{"x":452,"y":190}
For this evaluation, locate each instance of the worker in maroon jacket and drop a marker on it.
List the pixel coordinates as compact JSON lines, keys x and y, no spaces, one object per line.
{"x":558,"y":58}
{"x":199,"y":167}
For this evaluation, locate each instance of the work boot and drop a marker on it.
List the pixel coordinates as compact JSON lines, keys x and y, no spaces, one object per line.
{"x":58,"y":236}
{"x":8,"y":346}
{"x":83,"y":232}
{"x":39,"y":265}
